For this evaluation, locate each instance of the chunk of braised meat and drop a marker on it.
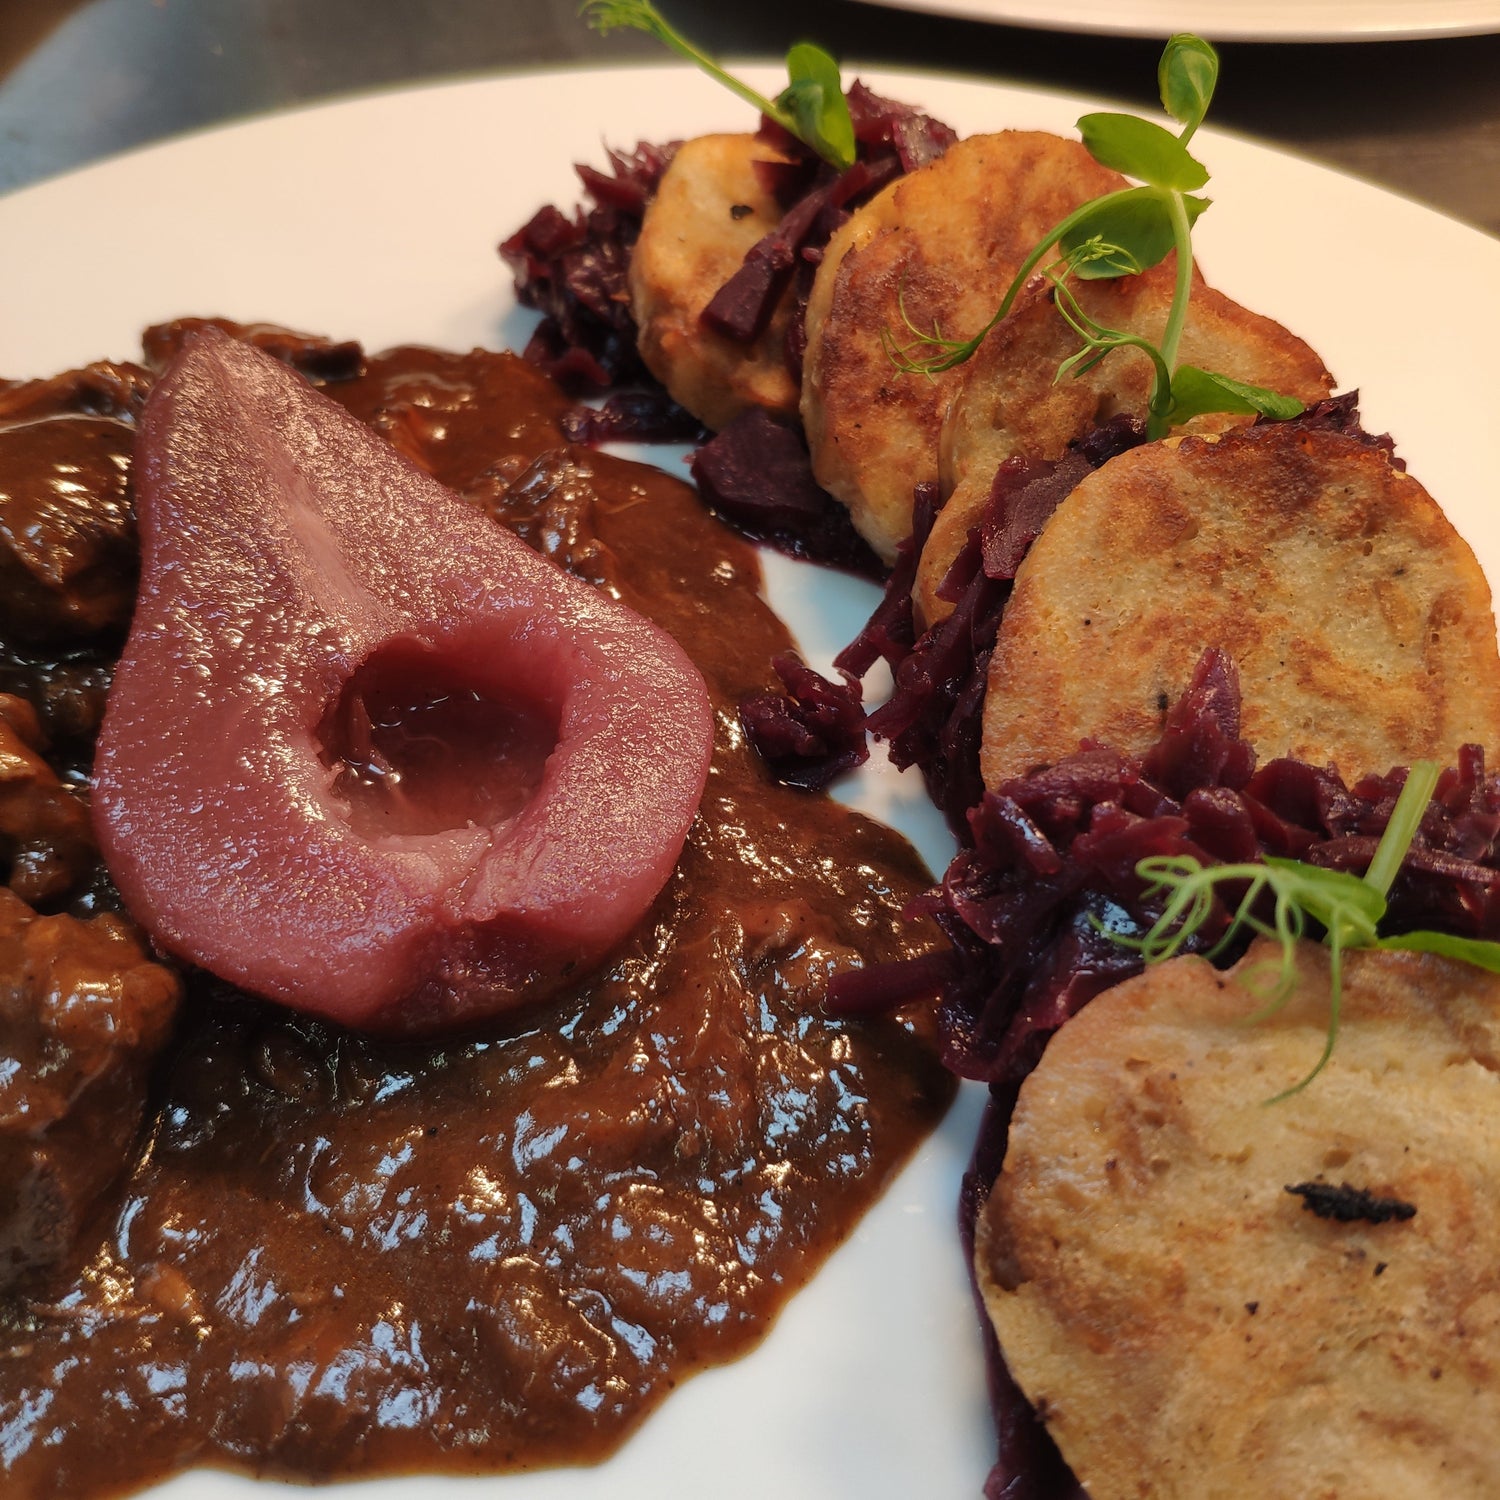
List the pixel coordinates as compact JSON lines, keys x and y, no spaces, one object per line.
{"x":103,"y":389}
{"x":83,"y":1012}
{"x":46,"y":842}
{"x":67,"y":527}
{"x":68,"y":688}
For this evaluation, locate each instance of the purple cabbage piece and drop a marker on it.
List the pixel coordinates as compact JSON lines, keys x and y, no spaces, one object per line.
{"x":638,"y":416}
{"x":1341,"y":414}
{"x":915,"y":137}
{"x":1025,"y":492}
{"x":890,"y":140}
{"x":1200,"y":749}
{"x":742,"y":307}
{"x":572,"y":269}
{"x":890,"y":632}
{"x":933,"y":719}
{"x":1023,"y":495}
{"x":811,"y":734}
{"x":757,"y":475}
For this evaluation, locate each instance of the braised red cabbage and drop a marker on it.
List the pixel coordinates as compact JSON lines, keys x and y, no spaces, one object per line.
{"x":645,"y":415}
{"x":933,"y":719}
{"x":756,"y":474}
{"x":571,"y":268}
{"x":811,"y":734}
{"x":1032,"y":908}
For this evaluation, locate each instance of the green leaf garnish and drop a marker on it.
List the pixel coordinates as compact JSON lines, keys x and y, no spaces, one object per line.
{"x":1137,"y":223}
{"x":1121,"y":234}
{"x":1186,"y":75}
{"x":1196,"y":391}
{"x":1348,"y":908}
{"x":815,"y":99}
{"x":1477,"y":951}
{"x":1406,"y":818}
{"x":1142,"y":149}
{"x":812,"y":107}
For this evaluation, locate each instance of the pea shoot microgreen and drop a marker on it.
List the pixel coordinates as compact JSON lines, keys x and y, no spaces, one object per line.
{"x":1122,"y":234}
{"x":811,"y":107}
{"x":1346,"y":907}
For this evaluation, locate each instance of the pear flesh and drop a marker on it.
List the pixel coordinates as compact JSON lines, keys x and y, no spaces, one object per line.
{"x":286,"y":549}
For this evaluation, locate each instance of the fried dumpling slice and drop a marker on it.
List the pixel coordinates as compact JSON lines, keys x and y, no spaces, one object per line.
{"x":709,"y":210}
{"x":1184,"y":1325}
{"x":937,"y":247}
{"x":1358,"y":618}
{"x":1011,"y":402}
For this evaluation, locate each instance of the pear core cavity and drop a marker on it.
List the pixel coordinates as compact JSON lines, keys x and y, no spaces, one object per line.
{"x":417,"y":747}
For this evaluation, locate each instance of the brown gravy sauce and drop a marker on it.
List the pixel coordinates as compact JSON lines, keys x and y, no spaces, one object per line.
{"x":334,"y":1256}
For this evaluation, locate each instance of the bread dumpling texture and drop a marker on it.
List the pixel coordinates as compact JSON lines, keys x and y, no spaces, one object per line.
{"x":1185,"y":1326}
{"x":937,"y":248}
{"x":708,"y":212}
{"x":1358,"y":618}
{"x":1011,"y":401}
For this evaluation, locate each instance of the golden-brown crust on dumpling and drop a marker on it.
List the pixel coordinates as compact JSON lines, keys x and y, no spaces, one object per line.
{"x":709,"y":210}
{"x":1358,"y":618}
{"x":937,"y":247}
{"x":1187,"y":1329}
{"x":1011,"y":401}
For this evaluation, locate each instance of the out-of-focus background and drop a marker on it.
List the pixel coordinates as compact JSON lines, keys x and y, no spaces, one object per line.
{"x":83,"y":79}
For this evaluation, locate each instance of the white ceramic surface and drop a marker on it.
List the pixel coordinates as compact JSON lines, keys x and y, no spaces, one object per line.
{"x":1233,"y":20}
{"x":377,"y":218}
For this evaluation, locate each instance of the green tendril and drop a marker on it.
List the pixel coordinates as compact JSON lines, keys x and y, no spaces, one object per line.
{"x":1346,"y":907}
{"x":1123,"y":233}
{"x":956,"y":351}
{"x":1406,"y":819}
{"x":812,"y":107}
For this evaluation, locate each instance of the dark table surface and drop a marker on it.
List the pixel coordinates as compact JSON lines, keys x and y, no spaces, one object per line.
{"x":82,"y":79}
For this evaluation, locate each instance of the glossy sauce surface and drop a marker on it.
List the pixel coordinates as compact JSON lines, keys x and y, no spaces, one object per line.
{"x":337,"y":1256}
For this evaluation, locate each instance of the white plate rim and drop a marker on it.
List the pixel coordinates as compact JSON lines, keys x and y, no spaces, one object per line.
{"x":1232,"y":20}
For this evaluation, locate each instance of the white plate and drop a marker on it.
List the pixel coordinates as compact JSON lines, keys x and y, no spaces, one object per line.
{"x":1234,"y":20}
{"x":377,"y":218}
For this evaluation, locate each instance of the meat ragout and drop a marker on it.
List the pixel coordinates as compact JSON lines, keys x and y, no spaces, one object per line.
{"x":326,"y":1255}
